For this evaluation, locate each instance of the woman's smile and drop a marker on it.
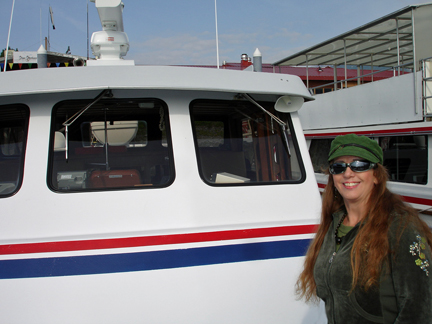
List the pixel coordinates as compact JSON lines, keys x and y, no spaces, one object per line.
{"x":350,"y":184}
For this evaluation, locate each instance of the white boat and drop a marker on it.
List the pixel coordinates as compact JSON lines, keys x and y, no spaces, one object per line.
{"x":395,"y":111}
{"x":152,"y":194}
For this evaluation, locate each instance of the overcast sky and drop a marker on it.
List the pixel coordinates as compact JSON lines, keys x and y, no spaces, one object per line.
{"x":171,"y":32}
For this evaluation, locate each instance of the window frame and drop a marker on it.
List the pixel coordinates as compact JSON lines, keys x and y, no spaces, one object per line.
{"x":294,"y":146}
{"x":80,"y":103}
{"x":399,"y":147}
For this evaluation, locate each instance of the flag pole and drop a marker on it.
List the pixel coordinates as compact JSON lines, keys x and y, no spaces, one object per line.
{"x":5,"y":53}
{"x":48,"y":43}
{"x":87,"y":31}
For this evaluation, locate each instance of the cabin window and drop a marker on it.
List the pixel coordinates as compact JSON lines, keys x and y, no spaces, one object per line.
{"x":237,"y":143}
{"x":405,"y":157}
{"x":13,"y":136}
{"x":115,"y":144}
{"x":318,"y":151}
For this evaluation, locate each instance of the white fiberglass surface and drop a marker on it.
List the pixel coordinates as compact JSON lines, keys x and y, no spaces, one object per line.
{"x":248,"y":292}
{"x":244,"y":291}
{"x":188,"y":204}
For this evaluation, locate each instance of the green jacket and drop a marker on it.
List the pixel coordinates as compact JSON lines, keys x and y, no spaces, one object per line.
{"x":403,"y":296}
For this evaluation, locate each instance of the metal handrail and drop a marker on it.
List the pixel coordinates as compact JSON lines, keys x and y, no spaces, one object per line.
{"x":425,"y":98}
{"x":363,"y":75}
{"x":424,"y":80}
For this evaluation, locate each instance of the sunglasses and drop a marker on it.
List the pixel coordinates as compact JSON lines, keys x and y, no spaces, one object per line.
{"x":356,"y":166}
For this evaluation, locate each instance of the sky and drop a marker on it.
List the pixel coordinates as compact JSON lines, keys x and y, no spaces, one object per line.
{"x":173,"y":32}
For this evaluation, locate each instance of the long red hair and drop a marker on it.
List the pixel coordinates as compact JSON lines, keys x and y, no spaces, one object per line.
{"x":372,"y":234}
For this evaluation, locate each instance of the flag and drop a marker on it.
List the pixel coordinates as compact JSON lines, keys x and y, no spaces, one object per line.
{"x":52,"y":17}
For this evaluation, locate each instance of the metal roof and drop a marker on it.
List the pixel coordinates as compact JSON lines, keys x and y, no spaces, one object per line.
{"x":377,"y":43}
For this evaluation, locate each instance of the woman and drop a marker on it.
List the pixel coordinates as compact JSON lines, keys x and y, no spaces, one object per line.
{"x":369,"y":261}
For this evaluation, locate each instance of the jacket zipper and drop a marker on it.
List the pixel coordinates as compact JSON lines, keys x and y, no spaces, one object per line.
{"x":328,"y":275}
{"x":328,"y":283}
{"x":331,"y":258}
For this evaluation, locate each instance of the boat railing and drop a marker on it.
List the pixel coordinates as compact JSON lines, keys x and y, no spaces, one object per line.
{"x":344,"y":83}
{"x":426,"y":73}
{"x":426,"y":65}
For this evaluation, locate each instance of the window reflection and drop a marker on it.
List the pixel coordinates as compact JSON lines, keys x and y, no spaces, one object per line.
{"x":115,"y":144}
{"x":238,"y":143}
{"x":13,"y":135}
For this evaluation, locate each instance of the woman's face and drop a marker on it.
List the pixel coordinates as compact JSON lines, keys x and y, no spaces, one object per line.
{"x":354,"y":187}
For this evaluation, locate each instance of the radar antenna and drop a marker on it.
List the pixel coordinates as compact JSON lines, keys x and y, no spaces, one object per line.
{"x":112,"y":43}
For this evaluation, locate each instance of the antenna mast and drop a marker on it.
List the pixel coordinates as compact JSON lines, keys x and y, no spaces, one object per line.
{"x":217,"y":38}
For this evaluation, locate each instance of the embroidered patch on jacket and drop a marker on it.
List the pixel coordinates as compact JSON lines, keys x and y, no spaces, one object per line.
{"x":417,"y":249}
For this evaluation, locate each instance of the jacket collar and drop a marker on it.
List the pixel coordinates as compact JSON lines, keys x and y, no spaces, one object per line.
{"x":337,"y":215}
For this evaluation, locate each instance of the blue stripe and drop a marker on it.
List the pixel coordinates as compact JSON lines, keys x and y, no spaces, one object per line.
{"x":144,"y":261}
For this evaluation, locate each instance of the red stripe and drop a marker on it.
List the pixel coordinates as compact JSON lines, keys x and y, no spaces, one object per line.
{"x":408,"y":131}
{"x":416,"y":200}
{"x":63,"y":246}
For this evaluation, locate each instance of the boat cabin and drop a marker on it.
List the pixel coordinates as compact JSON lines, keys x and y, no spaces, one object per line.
{"x":152,"y":194}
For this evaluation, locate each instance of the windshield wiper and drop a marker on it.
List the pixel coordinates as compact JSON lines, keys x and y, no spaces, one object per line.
{"x":71,"y":120}
{"x":273,"y":117}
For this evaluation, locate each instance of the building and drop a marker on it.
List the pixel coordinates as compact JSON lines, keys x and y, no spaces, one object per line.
{"x":17,"y":60}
